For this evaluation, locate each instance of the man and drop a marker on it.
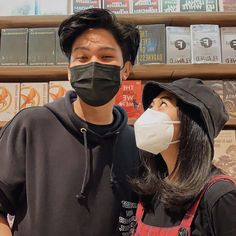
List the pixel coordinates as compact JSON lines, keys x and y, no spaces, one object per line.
{"x":65,"y":167}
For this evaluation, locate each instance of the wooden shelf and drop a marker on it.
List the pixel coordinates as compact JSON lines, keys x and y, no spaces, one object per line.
{"x":140,"y":72}
{"x":32,"y":73}
{"x":176,"y":19}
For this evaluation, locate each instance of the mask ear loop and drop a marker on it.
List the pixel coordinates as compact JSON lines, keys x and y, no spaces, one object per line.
{"x":177,"y":122}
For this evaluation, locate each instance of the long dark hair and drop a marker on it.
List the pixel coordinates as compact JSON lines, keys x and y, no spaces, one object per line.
{"x":192,"y":170}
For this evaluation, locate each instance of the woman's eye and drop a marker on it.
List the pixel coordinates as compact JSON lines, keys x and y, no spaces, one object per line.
{"x":163,"y":103}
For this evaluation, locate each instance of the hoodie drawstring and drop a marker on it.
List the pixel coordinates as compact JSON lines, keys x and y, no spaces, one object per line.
{"x":82,"y":195}
{"x":113,"y":179}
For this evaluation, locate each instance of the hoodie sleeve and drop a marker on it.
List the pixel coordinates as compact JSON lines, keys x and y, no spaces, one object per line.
{"x":12,"y":164}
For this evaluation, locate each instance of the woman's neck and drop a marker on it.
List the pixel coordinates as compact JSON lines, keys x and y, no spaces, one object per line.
{"x":170,"y":156}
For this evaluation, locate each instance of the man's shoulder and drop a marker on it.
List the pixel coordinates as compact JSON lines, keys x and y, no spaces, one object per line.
{"x":29,"y":116}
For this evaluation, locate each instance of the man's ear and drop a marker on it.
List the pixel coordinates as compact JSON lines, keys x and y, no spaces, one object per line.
{"x":127,"y":70}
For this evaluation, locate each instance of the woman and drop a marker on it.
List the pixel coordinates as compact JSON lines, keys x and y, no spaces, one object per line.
{"x":182,"y":193}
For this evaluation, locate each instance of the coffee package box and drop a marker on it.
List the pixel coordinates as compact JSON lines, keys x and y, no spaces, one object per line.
{"x":17,"y":7}
{"x":170,"y":5}
{"x":227,"y":5}
{"x":9,"y":100}
{"x":79,"y":5}
{"x":33,"y":94}
{"x":225,"y":152}
{"x":14,"y":46}
{"x":152,"y":44}
{"x":61,"y":58}
{"x":52,"y":7}
{"x":145,"y":6}
{"x":117,"y":6}
{"x":205,"y":44}
{"x":178,"y":45}
{"x":42,"y":44}
{"x":230,"y":97}
{"x":58,"y":89}
{"x":228,"y":44}
{"x":199,"y":5}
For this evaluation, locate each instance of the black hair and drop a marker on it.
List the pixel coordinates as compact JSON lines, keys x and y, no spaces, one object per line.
{"x":126,"y":35}
{"x":192,"y":170}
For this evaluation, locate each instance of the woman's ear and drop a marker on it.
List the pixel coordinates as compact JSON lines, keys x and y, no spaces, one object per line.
{"x":127,"y":70}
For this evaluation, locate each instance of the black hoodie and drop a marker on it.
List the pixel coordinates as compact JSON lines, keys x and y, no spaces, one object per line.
{"x":60,"y":178}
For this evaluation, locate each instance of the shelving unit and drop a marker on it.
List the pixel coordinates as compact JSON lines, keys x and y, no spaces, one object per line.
{"x":141,"y":72}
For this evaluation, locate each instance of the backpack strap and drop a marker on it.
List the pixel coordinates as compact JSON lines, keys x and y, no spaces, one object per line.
{"x":212,"y":195}
{"x":188,"y":218}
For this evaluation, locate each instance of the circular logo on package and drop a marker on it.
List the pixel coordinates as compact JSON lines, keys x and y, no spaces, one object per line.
{"x":5,"y":99}
{"x":206,"y":42}
{"x":56,"y":91}
{"x":180,"y":44}
{"x":233,"y":44}
{"x":29,"y":97}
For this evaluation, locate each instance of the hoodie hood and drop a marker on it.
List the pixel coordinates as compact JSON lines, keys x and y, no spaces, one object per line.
{"x":63,"y":110}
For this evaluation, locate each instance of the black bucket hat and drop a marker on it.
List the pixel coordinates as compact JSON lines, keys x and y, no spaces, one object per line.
{"x":198,"y":96}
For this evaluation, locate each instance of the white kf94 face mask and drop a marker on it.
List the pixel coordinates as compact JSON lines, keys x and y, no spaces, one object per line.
{"x":154,"y":131}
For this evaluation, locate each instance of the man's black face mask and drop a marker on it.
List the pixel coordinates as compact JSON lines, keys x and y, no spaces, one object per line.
{"x":96,"y":84}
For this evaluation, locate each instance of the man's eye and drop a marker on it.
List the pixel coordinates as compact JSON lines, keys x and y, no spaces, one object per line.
{"x":107,"y":57}
{"x":81,"y":58}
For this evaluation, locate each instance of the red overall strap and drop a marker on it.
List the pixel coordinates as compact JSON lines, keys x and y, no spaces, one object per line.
{"x":139,"y":212}
{"x":188,"y":218}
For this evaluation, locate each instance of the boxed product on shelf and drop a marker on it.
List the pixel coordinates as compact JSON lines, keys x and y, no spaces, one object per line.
{"x":51,"y":7}
{"x":230,"y":97}
{"x":14,"y":45}
{"x":178,"y":43}
{"x":170,"y":5}
{"x":205,"y":44}
{"x":61,"y":58}
{"x":9,"y":100}
{"x":152,"y":44}
{"x":145,"y":6}
{"x":227,"y":5}
{"x":129,"y":97}
{"x":198,"y":5}
{"x":17,"y":8}
{"x":58,"y":89}
{"x":33,"y":94}
{"x":117,"y":6}
{"x":79,"y":5}
{"x":42,"y":46}
{"x":225,"y":152}
{"x":228,"y":44}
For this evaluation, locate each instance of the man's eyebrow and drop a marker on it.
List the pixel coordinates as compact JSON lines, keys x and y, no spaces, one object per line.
{"x":80,"y":48}
{"x":107,"y":48}
{"x":87,"y":49}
